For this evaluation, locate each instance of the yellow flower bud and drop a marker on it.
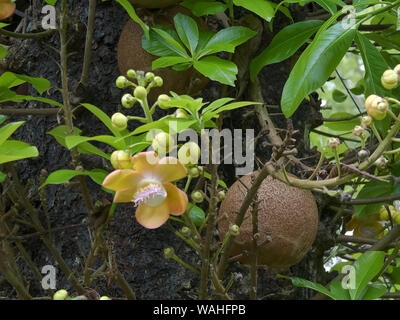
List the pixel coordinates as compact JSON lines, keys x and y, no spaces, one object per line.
{"x":128,"y":101}
{"x":376,"y":107}
{"x":140,"y":93}
{"x":162,"y":101}
{"x":60,"y":295}
{"x":389,"y":79}
{"x":121,"y":82}
{"x":158,"y":81}
{"x":381,"y":162}
{"x":163,"y":143}
{"x":181,"y":113}
{"x":131,"y":73}
{"x":121,"y":160}
{"x":194,"y":172}
{"x":149,"y":76}
{"x":119,"y":121}
{"x":366,"y":121}
{"x":234,"y":230}
{"x":221,"y":195}
{"x":358,"y":131}
{"x":333,"y":143}
{"x":105,"y":298}
{"x":169,"y":253}
{"x":189,"y":153}
{"x":197,"y":196}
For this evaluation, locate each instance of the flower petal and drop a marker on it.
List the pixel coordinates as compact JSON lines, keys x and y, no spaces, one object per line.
{"x":145,"y":161}
{"x":176,"y":198}
{"x":124,"y":195}
{"x":122,"y":180}
{"x":152,"y":217}
{"x":170,"y":169}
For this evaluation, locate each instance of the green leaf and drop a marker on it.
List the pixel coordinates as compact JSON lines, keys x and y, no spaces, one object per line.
{"x":2,"y":118}
{"x":3,"y":176}
{"x":298,"y":282}
{"x":227,"y":40}
{"x":62,"y":176}
{"x":7,"y":130}
{"x":375,"y":65}
{"x":166,"y":124}
{"x":73,"y":141}
{"x":168,"y":61}
{"x":372,"y":189}
{"x":60,"y":133}
{"x":132,"y":14}
{"x":11,"y":79}
{"x":366,"y":267}
{"x":3,"y":52}
{"x":339,"y":96}
{"x":231,"y":106}
{"x":328,"y":5}
{"x":217,"y":69}
{"x":216,"y":104}
{"x":20,"y":98}
{"x":51,"y":2}
{"x":315,"y":66}
{"x":12,"y":150}
{"x":284,"y":44}
{"x":342,"y":126}
{"x":170,"y":42}
{"x":338,"y":291}
{"x":265,"y":9}
{"x":200,"y":8}
{"x":374,"y":291}
{"x":220,"y":182}
{"x":102,"y":117}
{"x":187,"y":31}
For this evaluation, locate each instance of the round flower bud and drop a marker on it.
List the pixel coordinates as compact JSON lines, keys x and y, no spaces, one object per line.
{"x":333,"y":143}
{"x":201,"y":169}
{"x":149,"y":76}
{"x":234,"y":230}
{"x":121,"y":82}
{"x":163,"y":143}
{"x":131,"y":74}
{"x":397,"y":70}
{"x":366,"y":121}
{"x":119,"y":121}
{"x":381,"y":162}
{"x":169,"y":253}
{"x":140,"y":93}
{"x":158,"y":81}
{"x":194,"y":172}
{"x":384,"y":214}
{"x":121,"y":159}
{"x":60,"y":295}
{"x":162,"y":100}
{"x":181,"y":113}
{"x":397,"y":218}
{"x":189,"y":153}
{"x":221,"y":195}
{"x":358,"y":131}
{"x":105,"y":298}
{"x":376,"y":107}
{"x":389,"y":79}
{"x":363,"y":154}
{"x":197,"y":197}
{"x":128,"y":101}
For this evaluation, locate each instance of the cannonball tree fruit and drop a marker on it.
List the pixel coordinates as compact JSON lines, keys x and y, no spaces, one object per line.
{"x":131,"y":55}
{"x":151,"y":4}
{"x":287,"y":215}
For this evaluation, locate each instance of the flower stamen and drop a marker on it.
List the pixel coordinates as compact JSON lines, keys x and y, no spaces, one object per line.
{"x":151,"y":195}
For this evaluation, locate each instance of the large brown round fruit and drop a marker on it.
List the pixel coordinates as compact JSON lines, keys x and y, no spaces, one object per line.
{"x":154,"y":3}
{"x":131,"y":55}
{"x":288,"y":215}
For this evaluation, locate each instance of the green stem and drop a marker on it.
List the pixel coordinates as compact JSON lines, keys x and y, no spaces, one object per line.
{"x":337,"y":159}
{"x":376,"y":133}
{"x":186,"y":265}
{"x":320,"y":162}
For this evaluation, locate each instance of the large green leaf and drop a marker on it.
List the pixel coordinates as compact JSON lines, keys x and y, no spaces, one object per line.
{"x":132,"y":14}
{"x":73,"y":141}
{"x":168,"y":61}
{"x":366,"y":267}
{"x":12,"y":150}
{"x":187,"y":31}
{"x":284,"y":44}
{"x":62,"y":176}
{"x":171,"y":42}
{"x":102,"y":117}
{"x":7,"y":130}
{"x":375,"y":65}
{"x":227,"y":40}
{"x":315,"y":66}
{"x":374,"y":291}
{"x":298,"y":282}
{"x":11,"y":79}
{"x":265,"y":9}
{"x":204,"y":7}
{"x":217,"y":69}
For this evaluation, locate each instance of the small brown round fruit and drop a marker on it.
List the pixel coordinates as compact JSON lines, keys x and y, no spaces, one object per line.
{"x":154,"y":3}
{"x":131,"y":55}
{"x":288,"y":215}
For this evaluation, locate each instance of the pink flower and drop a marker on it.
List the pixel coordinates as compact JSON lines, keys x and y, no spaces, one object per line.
{"x":149,"y":186}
